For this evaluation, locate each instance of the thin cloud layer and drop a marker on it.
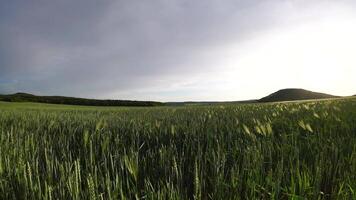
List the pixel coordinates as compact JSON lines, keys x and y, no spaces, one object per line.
{"x":160,"y":50}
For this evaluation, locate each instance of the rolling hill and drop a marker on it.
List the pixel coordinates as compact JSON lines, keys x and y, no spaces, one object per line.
{"x":24,"y":97}
{"x":187,"y":103}
{"x":293,"y":94}
{"x":290,"y":94}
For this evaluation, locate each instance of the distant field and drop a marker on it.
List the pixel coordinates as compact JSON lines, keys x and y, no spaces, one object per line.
{"x":244,"y":151}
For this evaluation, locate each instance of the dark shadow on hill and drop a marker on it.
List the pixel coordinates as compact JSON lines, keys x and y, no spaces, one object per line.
{"x":294,"y":94}
{"x":24,"y":97}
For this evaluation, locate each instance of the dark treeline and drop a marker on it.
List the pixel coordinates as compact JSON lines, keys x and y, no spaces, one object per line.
{"x":23,"y":97}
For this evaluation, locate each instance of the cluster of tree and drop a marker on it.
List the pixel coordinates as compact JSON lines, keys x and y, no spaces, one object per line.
{"x":23,"y":97}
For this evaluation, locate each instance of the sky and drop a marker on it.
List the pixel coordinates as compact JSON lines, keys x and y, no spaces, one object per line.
{"x":177,"y":50}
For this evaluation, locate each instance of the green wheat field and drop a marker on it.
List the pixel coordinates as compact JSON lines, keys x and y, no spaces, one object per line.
{"x":300,"y":150}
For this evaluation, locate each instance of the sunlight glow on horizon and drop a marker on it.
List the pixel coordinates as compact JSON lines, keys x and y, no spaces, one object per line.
{"x":317,"y":56}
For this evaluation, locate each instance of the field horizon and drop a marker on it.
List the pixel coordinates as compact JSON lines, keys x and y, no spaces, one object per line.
{"x":288,"y":94}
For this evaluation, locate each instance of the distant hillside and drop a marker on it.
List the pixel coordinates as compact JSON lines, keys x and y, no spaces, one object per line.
{"x":24,"y":97}
{"x":186,"y":103}
{"x":293,"y":94}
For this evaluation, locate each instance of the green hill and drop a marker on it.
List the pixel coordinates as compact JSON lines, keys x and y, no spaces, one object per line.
{"x":24,"y":97}
{"x":293,"y":94}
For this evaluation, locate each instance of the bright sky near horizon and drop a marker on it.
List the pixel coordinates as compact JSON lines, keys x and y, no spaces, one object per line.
{"x":178,"y":50}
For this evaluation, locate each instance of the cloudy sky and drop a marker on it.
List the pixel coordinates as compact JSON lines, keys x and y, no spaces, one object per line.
{"x":174,"y":50}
